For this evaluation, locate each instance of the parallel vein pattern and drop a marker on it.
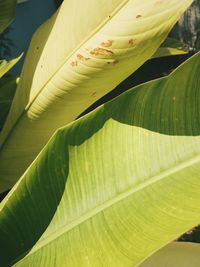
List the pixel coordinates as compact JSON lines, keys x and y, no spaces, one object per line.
{"x":114,"y":186}
{"x":69,"y":68}
{"x":7,"y":12}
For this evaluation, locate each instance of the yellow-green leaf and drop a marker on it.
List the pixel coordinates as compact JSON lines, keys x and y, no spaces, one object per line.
{"x":168,"y":51}
{"x":81,"y":53}
{"x":114,"y":186}
{"x":7,"y":91}
{"x":177,"y":254}
{"x":171,"y":47}
{"x":6,"y":65}
{"x":7,"y":13}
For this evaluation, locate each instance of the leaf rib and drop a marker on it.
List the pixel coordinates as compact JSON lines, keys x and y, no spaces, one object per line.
{"x":87,"y":216}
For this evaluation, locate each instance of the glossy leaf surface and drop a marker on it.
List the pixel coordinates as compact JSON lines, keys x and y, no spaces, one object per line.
{"x":84,"y":51}
{"x":114,"y":186}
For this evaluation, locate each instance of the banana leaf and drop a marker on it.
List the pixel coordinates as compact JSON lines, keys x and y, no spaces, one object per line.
{"x":76,"y":57}
{"x":114,"y":186}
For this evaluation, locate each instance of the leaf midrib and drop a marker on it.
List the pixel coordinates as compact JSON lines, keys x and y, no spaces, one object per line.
{"x":67,"y":228}
{"x":101,"y":25}
{"x":4,"y":138}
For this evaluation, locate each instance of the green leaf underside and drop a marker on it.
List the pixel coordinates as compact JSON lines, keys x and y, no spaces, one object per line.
{"x":174,"y":43}
{"x":171,"y":47}
{"x":168,"y":51}
{"x":114,"y":186}
{"x":5,"y":66}
{"x":7,"y":13}
{"x":7,"y":91}
{"x":180,"y":254}
{"x":69,"y":68}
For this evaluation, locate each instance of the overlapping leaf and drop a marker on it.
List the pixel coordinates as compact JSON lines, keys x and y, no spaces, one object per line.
{"x":7,"y":91}
{"x":114,"y":186}
{"x":7,"y":12}
{"x":175,"y":255}
{"x":6,"y":65}
{"x":80,"y":54}
{"x":171,"y":47}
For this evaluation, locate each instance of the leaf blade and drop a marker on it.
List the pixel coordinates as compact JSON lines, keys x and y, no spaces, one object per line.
{"x":62,"y":88}
{"x":7,"y":13}
{"x":89,"y":187}
{"x":175,"y":254}
{"x":5,"y":65}
{"x":7,"y":91}
{"x":171,"y":47}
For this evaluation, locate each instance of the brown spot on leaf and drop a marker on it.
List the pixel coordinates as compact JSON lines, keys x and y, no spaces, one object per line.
{"x":138,"y":16}
{"x":159,"y":2}
{"x":131,"y":42}
{"x":79,"y":56}
{"x":107,"y":43}
{"x":74,"y":63}
{"x":101,"y":52}
{"x":115,"y":61}
{"x":82,"y":58}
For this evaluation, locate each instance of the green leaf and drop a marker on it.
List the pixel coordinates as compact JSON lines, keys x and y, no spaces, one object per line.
{"x":7,"y":13}
{"x":171,"y":47}
{"x":179,"y":254}
{"x":5,"y":65}
{"x":114,"y":186}
{"x":174,"y":43}
{"x":7,"y":91}
{"x":168,"y":51}
{"x":69,"y":67}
